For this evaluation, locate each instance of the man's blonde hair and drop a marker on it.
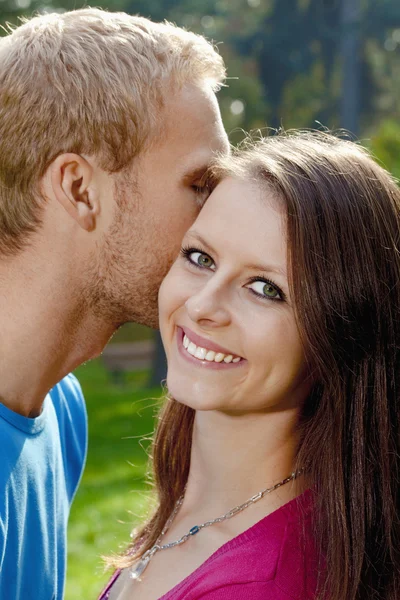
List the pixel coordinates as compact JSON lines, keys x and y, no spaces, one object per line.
{"x":90,"y":82}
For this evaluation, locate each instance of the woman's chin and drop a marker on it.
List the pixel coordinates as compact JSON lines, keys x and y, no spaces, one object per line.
{"x":195,"y":396}
{"x":195,"y":404}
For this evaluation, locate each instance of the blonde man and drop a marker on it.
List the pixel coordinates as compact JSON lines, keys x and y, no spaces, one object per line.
{"x":107,"y":123}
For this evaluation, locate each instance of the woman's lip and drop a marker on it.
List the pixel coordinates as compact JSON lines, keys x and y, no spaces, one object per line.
{"x":203,"y":342}
{"x":203,"y":364}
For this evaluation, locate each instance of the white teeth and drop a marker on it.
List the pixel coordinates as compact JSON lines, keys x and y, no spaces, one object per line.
{"x":201,"y":353}
{"x":192,"y":348}
{"x":209,"y":355}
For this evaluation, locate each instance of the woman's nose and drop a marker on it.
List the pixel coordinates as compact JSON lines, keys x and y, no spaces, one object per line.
{"x":209,"y":306}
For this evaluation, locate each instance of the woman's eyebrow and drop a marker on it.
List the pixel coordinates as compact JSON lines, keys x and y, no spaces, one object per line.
{"x":193,"y":234}
{"x":272,"y":268}
{"x":253,"y":267}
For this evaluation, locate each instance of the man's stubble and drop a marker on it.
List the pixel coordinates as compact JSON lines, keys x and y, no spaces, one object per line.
{"x":125,"y":274}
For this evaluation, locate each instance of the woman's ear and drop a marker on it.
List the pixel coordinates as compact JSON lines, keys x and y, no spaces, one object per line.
{"x":70,"y":179}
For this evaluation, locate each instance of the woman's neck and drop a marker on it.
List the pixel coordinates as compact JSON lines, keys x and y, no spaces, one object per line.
{"x":235,"y":456}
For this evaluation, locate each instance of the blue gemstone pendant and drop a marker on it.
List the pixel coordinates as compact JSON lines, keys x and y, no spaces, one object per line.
{"x":194,"y":530}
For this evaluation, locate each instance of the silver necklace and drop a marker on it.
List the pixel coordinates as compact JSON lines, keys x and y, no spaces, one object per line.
{"x":138,"y":568}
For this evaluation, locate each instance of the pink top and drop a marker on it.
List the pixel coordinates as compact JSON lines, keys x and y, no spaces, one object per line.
{"x":272,"y":560}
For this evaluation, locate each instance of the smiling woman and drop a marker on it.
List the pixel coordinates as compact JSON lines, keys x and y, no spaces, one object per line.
{"x":218,"y":293}
{"x":276,"y":458}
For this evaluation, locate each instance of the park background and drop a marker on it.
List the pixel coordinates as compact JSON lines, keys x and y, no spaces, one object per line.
{"x":291,"y":63}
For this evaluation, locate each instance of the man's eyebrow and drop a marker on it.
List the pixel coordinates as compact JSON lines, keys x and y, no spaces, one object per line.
{"x":195,"y":174}
{"x":253,"y":267}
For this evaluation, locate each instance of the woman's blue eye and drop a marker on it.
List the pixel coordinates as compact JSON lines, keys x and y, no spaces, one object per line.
{"x":265,"y":289}
{"x":201,"y":260}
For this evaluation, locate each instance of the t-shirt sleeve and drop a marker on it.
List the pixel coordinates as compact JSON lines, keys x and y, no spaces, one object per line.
{"x":253,"y":590}
{"x":70,"y":407}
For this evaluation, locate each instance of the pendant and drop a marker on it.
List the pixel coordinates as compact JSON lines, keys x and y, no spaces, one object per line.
{"x":139,"y":567}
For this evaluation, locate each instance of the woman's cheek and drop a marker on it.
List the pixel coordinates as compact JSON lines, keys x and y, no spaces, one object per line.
{"x":164,"y":305}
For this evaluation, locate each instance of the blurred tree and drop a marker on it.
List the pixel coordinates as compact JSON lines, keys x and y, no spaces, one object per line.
{"x":385,"y":145}
{"x":350,"y":59}
{"x":158,"y":372}
{"x":297,"y":50}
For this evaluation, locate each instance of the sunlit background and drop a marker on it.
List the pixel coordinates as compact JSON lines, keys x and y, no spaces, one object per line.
{"x":291,"y":63}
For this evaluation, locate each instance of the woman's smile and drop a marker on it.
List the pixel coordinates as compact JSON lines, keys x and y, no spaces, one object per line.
{"x":204,"y":353}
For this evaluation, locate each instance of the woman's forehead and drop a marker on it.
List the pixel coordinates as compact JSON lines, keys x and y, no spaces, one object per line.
{"x":244,"y":219}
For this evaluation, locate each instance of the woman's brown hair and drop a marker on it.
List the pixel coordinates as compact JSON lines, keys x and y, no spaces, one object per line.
{"x":343,"y":224}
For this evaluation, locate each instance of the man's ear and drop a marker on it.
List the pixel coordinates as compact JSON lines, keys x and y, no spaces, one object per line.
{"x":70,"y":179}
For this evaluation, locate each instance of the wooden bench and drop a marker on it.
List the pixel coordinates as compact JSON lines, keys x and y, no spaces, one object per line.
{"x":121,"y":357}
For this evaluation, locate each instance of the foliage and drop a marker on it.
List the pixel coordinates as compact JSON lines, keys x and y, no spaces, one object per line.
{"x":385,"y":145}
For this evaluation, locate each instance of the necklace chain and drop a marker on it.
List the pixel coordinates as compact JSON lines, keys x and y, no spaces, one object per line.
{"x":141,"y":565}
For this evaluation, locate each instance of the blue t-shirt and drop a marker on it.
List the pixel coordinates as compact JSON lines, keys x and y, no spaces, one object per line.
{"x":41,"y":462}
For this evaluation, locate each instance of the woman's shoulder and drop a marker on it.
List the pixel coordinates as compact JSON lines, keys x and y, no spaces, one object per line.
{"x":298,"y":564}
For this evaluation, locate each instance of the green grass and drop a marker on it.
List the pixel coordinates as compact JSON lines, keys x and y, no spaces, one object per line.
{"x":112,"y":496}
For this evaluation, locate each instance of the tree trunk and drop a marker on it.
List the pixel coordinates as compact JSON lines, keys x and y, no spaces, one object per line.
{"x":159,"y":367}
{"x":350,"y":51}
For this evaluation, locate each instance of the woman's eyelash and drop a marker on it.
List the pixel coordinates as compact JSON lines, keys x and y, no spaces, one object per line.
{"x":267,"y":281}
{"x":186,"y":251}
